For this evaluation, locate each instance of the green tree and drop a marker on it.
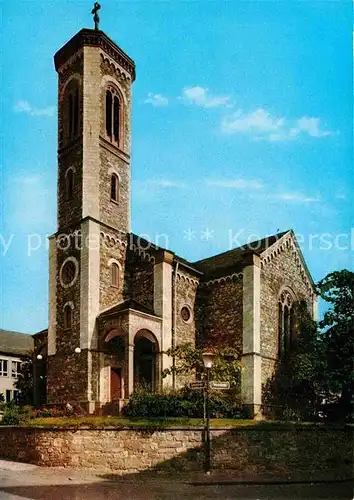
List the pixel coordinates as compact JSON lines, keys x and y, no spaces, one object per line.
{"x":294,"y":391}
{"x":337,"y":289}
{"x":24,"y":383}
{"x":188,"y":359}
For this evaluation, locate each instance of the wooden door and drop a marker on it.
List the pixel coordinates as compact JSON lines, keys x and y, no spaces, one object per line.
{"x":116,"y":384}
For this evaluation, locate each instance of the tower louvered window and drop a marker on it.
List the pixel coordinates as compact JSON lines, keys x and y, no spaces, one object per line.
{"x":113,"y":116}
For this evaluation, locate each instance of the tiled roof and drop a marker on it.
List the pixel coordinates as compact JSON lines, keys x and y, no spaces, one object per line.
{"x":232,"y":260}
{"x":15,"y":343}
{"x":127,"y":304}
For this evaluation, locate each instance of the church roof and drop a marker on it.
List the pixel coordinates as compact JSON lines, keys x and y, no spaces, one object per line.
{"x":15,"y":343}
{"x":221,"y":264}
{"x":124,"y":306}
{"x":233,"y":260}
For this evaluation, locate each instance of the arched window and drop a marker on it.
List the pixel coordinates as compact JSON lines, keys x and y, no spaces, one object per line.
{"x":68,"y":317}
{"x":113,"y":115}
{"x":72,"y":107}
{"x":109,"y":113}
{"x":116,"y":118}
{"x":286,"y":323}
{"x":69,"y":184}
{"x":115,"y":274}
{"x":280,"y":328}
{"x":115,"y":188}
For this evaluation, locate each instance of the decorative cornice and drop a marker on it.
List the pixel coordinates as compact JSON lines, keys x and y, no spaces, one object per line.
{"x":111,"y":67}
{"x":77,"y":56}
{"x":94,"y":38}
{"x":112,"y":241}
{"x":288,"y":243}
{"x":223,"y":279}
{"x":142,"y":253}
{"x":188,"y":279}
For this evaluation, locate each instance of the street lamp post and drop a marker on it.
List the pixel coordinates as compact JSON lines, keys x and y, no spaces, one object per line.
{"x":208,"y":359}
{"x":36,"y":374}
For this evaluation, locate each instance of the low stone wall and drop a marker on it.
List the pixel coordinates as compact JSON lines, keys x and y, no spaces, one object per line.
{"x":246,"y":450}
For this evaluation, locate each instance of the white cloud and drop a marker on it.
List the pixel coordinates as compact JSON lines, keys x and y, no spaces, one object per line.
{"x":156,"y":100}
{"x":201,"y":96}
{"x":166,"y":183}
{"x":259,"y":121}
{"x":236,"y":183}
{"x":261,"y":125}
{"x":26,"y":107}
{"x":297,"y":198}
{"x":311,"y":126}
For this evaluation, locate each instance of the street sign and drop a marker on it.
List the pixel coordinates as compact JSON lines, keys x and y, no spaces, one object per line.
{"x":219,"y":385}
{"x":198,"y":384}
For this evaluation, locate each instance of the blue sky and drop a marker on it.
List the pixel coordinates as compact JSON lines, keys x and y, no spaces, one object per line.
{"x":242,"y":126}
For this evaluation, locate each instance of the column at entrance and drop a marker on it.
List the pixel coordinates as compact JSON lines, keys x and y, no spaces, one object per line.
{"x":129,"y":385}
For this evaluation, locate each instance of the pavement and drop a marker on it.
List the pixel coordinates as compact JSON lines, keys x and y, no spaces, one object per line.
{"x":20,"y":481}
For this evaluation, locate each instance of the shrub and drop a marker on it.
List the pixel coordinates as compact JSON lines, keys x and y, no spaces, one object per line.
{"x":15,"y":414}
{"x":18,"y":415}
{"x":61,"y":410}
{"x":184,"y":403}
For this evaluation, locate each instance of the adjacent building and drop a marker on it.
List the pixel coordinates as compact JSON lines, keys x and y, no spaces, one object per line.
{"x":14,"y":348}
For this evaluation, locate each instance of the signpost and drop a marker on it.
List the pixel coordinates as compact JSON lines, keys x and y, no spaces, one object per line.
{"x":199,"y":384}
{"x":219,"y":385}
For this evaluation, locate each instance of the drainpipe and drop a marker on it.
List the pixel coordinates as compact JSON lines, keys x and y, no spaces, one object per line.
{"x":174,"y":322}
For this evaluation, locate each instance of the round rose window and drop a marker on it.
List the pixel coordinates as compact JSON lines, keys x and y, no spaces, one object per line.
{"x":185,"y":313}
{"x":68,"y":272}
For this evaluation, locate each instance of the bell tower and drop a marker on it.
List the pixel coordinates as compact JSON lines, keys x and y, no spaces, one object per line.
{"x":94,"y":130}
{"x":94,"y":142}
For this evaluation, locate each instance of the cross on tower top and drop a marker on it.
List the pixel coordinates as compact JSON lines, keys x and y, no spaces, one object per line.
{"x":96,"y":17}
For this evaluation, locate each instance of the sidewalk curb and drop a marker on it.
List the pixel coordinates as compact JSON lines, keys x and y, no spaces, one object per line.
{"x":269,"y":482}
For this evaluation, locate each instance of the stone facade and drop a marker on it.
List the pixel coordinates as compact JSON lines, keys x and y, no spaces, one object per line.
{"x":185,"y":296}
{"x":132,"y":301}
{"x":248,"y":451}
{"x":282,"y":268}
{"x":221,"y":312}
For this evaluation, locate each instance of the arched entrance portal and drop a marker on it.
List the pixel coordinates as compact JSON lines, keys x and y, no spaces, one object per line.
{"x":145,"y":360}
{"x":114,"y":345}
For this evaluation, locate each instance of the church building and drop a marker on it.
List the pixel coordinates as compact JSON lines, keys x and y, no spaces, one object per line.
{"x":117,"y":303}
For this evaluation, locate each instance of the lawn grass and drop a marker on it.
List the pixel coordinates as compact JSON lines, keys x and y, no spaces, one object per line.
{"x":94,"y":422}
{"x":119,"y":422}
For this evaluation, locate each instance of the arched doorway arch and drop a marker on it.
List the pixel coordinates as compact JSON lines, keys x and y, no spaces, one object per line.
{"x":145,"y":360}
{"x":115,"y":347}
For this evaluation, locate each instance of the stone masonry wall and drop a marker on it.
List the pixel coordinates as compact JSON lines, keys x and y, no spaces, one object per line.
{"x":115,"y":157}
{"x":186,"y":290}
{"x":112,"y":246}
{"x":281,"y":271}
{"x":221,"y":313}
{"x":69,"y":151}
{"x":140,"y":279}
{"x":283,"y":451}
{"x":66,"y":378}
{"x":115,"y":214}
{"x":70,"y":211}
